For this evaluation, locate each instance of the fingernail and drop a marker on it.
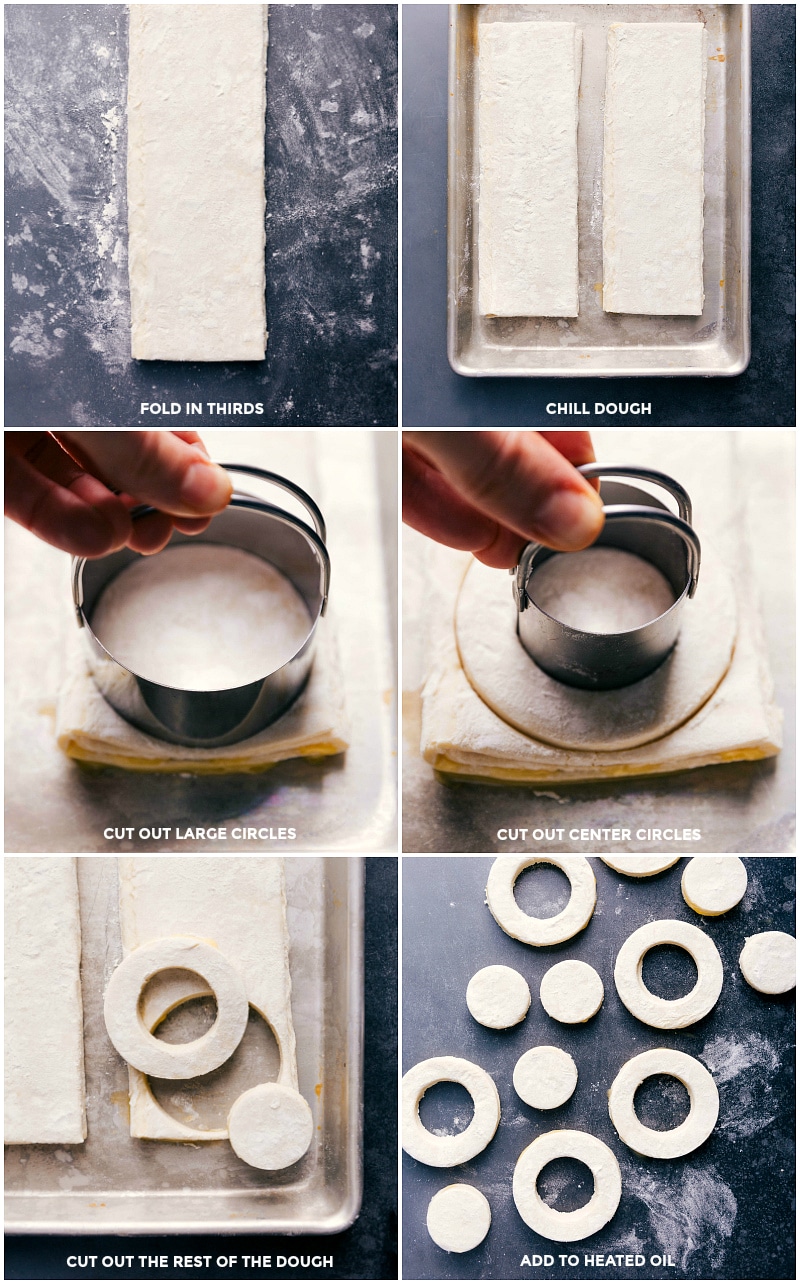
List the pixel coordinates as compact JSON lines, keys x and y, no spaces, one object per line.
{"x":206,"y":488}
{"x":570,"y":519}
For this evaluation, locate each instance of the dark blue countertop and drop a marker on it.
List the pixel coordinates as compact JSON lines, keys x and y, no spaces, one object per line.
{"x":331,"y":159}
{"x":433,"y":396}
{"x":723,"y":1212}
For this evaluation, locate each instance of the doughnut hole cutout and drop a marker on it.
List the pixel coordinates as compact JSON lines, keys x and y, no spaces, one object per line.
{"x":447,"y":1109}
{"x":565,"y":1184}
{"x":669,"y":972}
{"x":661,"y":1102}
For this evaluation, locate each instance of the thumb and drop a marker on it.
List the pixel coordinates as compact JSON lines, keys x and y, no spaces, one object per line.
{"x":157,"y":468}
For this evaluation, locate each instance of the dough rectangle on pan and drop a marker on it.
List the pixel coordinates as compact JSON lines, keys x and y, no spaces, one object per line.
{"x":529,"y":74}
{"x":45,"y":1094}
{"x":237,"y":904}
{"x":653,"y":168}
{"x":196,"y":124}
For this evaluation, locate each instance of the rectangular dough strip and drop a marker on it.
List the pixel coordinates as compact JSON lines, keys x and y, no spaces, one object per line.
{"x":196,"y":203}
{"x":529,"y":76}
{"x":653,"y":168}
{"x":237,"y":904}
{"x":45,"y":1093}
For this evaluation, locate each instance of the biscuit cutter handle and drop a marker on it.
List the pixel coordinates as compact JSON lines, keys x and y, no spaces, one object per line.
{"x":681,"y":524}
{"x":290,"y":487}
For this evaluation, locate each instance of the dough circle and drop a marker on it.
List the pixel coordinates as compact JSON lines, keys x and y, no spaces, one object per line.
{"x":270,"y":1126}
{"x":128,"y":1032}
{"x":703,"y":1107}
{"x":571,"y":992}
{"x":505,"y":677}
{"x":668,"y":1014}
{"x":545,"y":1077}
{"x":769,"y":962}
{"x":446,"y":1152}
{"x":547,"y":1221}
{"x":498,"y":996}
{"x":541,"y":931}
{"x":459,"y":1218}
{"x":639,"y":866}
{"x":712,"y":885}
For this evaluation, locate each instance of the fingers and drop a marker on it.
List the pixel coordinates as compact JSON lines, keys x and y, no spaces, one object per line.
{"x":81,"y":517}
{"x":160,"y":468}
{"x":520,"y":480}
{"x":433,"y":507}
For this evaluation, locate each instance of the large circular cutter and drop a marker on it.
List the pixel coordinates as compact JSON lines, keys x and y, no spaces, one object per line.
{"x":541,"y":931}
{"x":703,"y":1109}
{"x":547,"y":1221}
{"x":446,"y":1152}
{"x":128,"y":1032}
{"x":668,"y":1014}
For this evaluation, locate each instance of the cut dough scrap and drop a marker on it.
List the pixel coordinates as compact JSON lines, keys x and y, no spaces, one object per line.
{"x":653,"y":168}
{"x":270,"y":1126}
{"x":703,"y":1104}
{"x":498,"y":997}
{"x":769,"y":962}
{"x":45,"y":1094}
{"x":545,"y":1077}
{"x":712,"y":885}
{"x":458,"y":1218}
{"x":524,"y":696}
{"x":315,"y":726}
{"x":196,"y":123}
{"x":571,"y":992}
{"x":549,"y":1222}
{"x":201,"y":617}
{"x":238,"y":905}
{"x":462,"y":736}
{"x":640,"y":866}
{"x":447,"y":1151}
{"x":529,"y":75}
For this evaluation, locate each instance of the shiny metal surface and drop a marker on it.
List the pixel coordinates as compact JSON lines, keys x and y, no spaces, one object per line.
{"x":116,"y":1184}
{"x":639,"y":523}
{"x":206,"y":719}
{"x":597,"y":343}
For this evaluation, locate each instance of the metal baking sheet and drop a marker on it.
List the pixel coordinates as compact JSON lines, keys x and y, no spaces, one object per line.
{"x":116,"y":1184}
{"x":707,"y":1211}
{"x":598,"y":343}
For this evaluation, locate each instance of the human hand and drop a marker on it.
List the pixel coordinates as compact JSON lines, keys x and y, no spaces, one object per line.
{"x":61,"y":486}
{"x":493,"y":492}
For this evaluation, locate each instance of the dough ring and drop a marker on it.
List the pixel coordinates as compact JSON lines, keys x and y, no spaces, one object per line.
{"x":639,"y":866}
{"x":131,"y":1037}
{"x":712,"y":885}
{"x":571,"y":992}
{"x":459,"y":1218}
{"x":270,"y":1126}
{"x":769,"y":962}
{"x":446,"y":1152}
{"x":668,"y":1014}
{"x":703,"y":1109}
{"x":545,"y":1077}
{"x":498,"y":997}
{"x":547,"y":1221}
{"x":505,"y":677}
{"x":541,"y":931}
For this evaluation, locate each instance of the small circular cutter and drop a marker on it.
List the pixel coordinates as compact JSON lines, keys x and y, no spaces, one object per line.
{"x":208,"y":719}
{"x":641,"y":524}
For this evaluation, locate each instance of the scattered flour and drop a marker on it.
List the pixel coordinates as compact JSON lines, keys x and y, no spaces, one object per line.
{"x":747,"y":1106}
{"x":691,"y":1212}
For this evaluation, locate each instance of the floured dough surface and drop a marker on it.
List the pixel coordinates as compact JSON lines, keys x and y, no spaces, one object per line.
{"x":545,"y":1077}
{"x":451,"y":1149}
{"x":201,"y":617}
{"x":668,"y":1014}
{"x":506,"y":678}
{"x":670,"y":1143}
{"x":600,"y":590}
{"x":270,"y":1126}
{"x":459,"y":1218}
{"x":654,"y":128}
{"x":571,"y":991}
{"x":712,"y":885}
{"x":549,"y":1222}
{"x":196,"y":203}
{"x":498,"y":997}
{"x":640,"y":866}
{"x":769,"y":962}
{"x":45,"y":1096}
{"x":528,"y":79}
